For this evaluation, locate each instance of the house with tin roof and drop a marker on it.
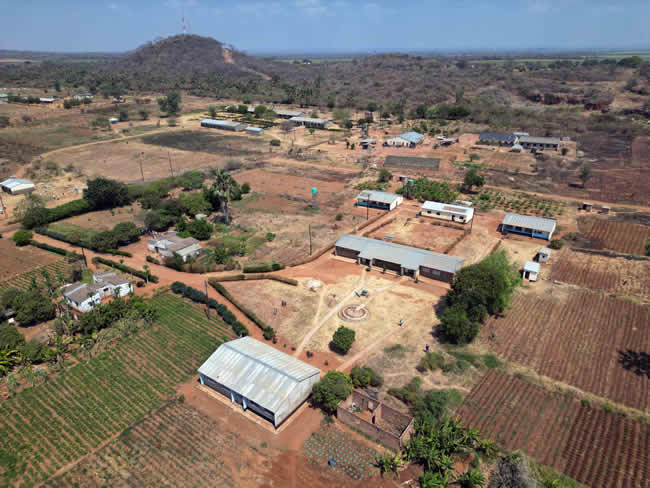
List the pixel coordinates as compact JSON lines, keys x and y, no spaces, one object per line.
{"x":446,"y":211}
{"x":408,"y":139}
{"x":223,"y":125}
{"x":169,"y":244}
{"x":17,"y":186}
{"x":379,"y":199}
{"x":529,"y":225}
{"x":259,"y":378}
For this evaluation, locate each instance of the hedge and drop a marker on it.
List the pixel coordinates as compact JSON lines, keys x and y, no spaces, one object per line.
{"x":263,"y":268}
{"x":46,"y":231}
{"x":70,"y":209}
{"x":126,"y":269}
{"x":223,"y":311}
{"x":261,"y":276}
{"x":269,"y":333}
{"x":54,"y":249}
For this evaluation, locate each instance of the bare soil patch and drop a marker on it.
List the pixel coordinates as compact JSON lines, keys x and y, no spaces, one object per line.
{"x":17,"y":260}
{"x":617,"y":236}
{"x":107,"y":219}
{"x":419,"y":232}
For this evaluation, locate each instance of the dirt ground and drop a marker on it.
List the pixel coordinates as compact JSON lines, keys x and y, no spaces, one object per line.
{"x":17,"y":260}
{"x":482,"y":239}
{"x":107,"y":219}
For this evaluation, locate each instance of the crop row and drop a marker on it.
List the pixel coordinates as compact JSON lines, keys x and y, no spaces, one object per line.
{"x":619,"y":236}
{"x":175,"y":446}
{"x":596,"y":448}
{"x":585,"y":339}
{"x":51,"y":425}
{"x":23,"y":281}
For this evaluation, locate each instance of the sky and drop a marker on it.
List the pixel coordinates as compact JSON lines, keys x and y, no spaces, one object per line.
{"x":304,"y":26}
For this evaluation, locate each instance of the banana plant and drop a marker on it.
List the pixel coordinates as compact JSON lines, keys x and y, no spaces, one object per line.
{"x":8,"y":358}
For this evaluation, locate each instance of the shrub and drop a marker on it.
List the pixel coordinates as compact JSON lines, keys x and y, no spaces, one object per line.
{"x":456,"y":325}
{"x":408,"y":393}
{"x":384,"y":176}
{"x":362,"y":376}
{"x":342,"y":339}
{"x":434,"y":405}
{"x":174,"y":262}
{"x":275,"y":142}
{"x":54,"y":249}
{"x":10,"y":338}
{"x":330,"y":391}
{"x":200,"y":229}
{"x":339,"y":217}
{"x":270,"y":236}
{"x":556,"y":244}
{"x":491,"y":361}
{"x":245,"y":188}
{"x":431,"y":362}
{"x":22,"y":237}
{"x":151,"y":259}
{"x":106,"y":193}
{"x":263,"y":268}
{"x":33,"y":308}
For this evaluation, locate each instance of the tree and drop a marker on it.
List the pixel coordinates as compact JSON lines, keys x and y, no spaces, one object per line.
{"x":22,"y":237}
{"x":424,"y":189}
{"x":126,"y":233}
{"x":31,"y":200}
{"x":104,"y":240}
{"x":171,"y":103}
{"x":191,"y":180}
{"x":585,"y":174}
{"x":220,"y":254}
{"x":330,"y":391}
{"x":144,"y":115}
{"x":384,"y":176}
{"x":199,"y":229}
{"x":364,"y":376}
{"x":221,"y":192}
{"x":245,"y":188}
{"x":472,"y":178}
{"x":157,"y":221}
{"x":124,"y":115}
{"x":457,"y":326}
{"x":372,"y":107}
{"x":34,"y":308}
{"x":195,"y":203}
{"x":9,"y":300}
{"x":36,"y":217}
{"x":213,"y":112}
{"x":104,"y":193}
{"x":260,"y":110}
{"x":342,"y":339}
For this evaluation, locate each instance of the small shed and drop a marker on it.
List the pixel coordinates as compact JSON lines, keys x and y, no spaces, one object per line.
{"x":517,"y":148}
{"x":605,"y":209}
{"x":113,"y":120}
{"x":586,"y":206}
{"x":254,"y":131}
{"x":543,"y":255}
{"x":531,"y":270}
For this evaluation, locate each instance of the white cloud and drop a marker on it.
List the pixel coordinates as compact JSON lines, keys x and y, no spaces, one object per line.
{"x":312,"y":7}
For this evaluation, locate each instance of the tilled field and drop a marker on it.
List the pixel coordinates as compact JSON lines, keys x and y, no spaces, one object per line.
{"x":16,"y":260}
{"x":619,"y":236}
{"x":594,"y":447}
{"x":24,"y":280}
{"x":54,"y":424}
{"x":590,"y":341}
{"x":610,"y":274}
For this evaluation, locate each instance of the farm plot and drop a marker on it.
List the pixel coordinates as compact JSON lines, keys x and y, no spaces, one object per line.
{"x":597,"y":448}
{"x":25,"y":280}
{"x":593,"y":342}
{"x":52,"y":425}
{"x":18,"y":260}
{"x":207,"y":142}
{"x":610,"y":274}
{"x":352,"y":458}
{"x":617,"y":236}
{"x":175,"y":446}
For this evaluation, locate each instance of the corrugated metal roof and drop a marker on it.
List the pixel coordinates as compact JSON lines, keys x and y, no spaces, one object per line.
{"x":497,"y":136}
{"x":531,"y":266}
{"x":15,"y":182}
{"x":408,"y":257}
{"x":413,"y":137}
{"x":220,"y":123}
{"x":288,"y":113}
{"x":529,"y":222}
{"x":377,"y":196}
{"x":310,"y":120}
{"x":257,"y":371}
{"x":254,"y":129}
{"x":445,"y":207}
{"x":545,"y":250}
{"x":539,"y":140}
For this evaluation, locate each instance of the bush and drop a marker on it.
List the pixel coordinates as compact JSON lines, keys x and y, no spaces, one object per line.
{"x":339,"y":217}
{"x":33,"y":308}
{"x":263,"y":268}
{"x":191,"y":180}
{"x":556,"y":244}
{"x":384,"y":176}
{"x":22,"y":237}
{"x":10,"y":338}
{"x":434,"y":405}
{"x":34,"y":352}
{"x":456,"y":325}
{"x":151,"y":259}
{"x":330,"y":391}
{"x":174,"y":262}
{"x":245,"y":188}
{"x":275,"y":142}
{"x":342,"y":340}
{"x":362,"y":376}
{"x":104,"y":193}
{"x":36,"y":217}
{"x":54,"y":249}
{"x":407,"y":394}
{"x":431,"y":362}
{"x":200,"y":229}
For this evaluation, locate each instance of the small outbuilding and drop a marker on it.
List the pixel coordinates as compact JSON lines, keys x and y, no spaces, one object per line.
{"x":17,"y":186}
{"x":531,"y":270}
{"x":544,"y":255}
{"x":587,"y":206}
{"x":379,"y":199}
{"x":529,"y":226}
{"x":254,"y":131}
{"x":259,"y":378}
{"x":517,"y":148}
{"x":445,"y":211}
{"x":169,"y":244}
{"x":311,"y":123}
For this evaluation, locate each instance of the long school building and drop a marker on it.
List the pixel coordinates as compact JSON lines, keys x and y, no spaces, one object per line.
{"x":404,"y":260}
{"x":529,"y":226}
{"x":379,"y":199}
{"x":260,"y":378}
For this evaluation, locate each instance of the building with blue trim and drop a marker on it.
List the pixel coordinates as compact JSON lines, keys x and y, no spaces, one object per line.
{"x":529,"y":226}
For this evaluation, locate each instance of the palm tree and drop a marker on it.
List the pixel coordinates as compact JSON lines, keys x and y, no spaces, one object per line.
{"x":221,"y":191}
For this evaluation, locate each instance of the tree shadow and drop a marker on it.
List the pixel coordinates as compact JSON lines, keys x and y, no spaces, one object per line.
{"x":637,"y":362}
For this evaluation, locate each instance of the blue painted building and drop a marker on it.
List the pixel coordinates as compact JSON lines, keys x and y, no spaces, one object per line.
{"x":379,"y":199}
{"x":529,"y":226}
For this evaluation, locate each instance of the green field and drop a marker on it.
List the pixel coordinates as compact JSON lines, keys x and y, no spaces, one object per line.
{"x":51,"y":425}
{"x":23,"y":281}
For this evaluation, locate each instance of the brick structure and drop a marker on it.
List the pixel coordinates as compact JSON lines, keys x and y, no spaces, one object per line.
{"x":363,"y":411}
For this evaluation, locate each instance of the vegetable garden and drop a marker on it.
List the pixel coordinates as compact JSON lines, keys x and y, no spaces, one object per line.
{"x":352,"y":458}
{"x":24,"y":281}
{"x":49,"y":426}
{"x":588,"y":340}
{"x":522,"y":203}
{"x":597,"y":448}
